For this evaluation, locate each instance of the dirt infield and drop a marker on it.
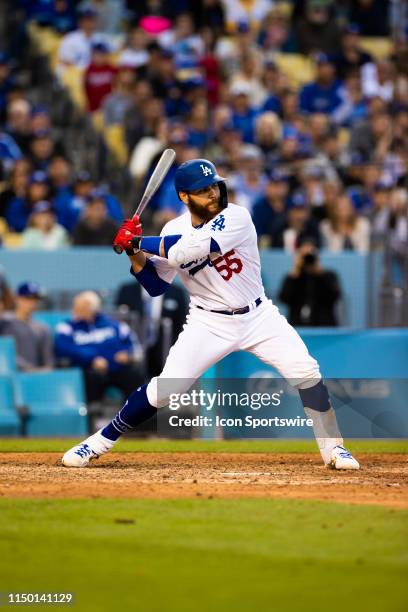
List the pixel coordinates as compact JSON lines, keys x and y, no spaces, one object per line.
{"x":382,"y":480}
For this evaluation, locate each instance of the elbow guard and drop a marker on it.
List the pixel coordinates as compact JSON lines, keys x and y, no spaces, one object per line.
{"x":192,"y":247}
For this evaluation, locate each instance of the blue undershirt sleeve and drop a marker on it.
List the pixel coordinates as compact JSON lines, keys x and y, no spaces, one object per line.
{"x":150,"y":280}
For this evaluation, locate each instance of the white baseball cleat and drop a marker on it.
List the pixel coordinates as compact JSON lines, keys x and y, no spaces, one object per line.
{"x":93,"y":447}
{"x":342,"y":459}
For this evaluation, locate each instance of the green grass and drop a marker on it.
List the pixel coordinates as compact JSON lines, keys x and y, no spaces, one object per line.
{"x":219,"y":446}
{"x":207,"y":554}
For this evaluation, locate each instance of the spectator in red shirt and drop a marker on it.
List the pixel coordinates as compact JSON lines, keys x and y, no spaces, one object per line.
{"x":99,"y":76}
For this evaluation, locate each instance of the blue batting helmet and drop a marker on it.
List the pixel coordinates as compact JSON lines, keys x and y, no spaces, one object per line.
{"x":196,"y":174}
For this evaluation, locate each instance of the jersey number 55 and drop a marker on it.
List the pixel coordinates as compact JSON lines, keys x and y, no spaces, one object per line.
{"x":227,"y":265}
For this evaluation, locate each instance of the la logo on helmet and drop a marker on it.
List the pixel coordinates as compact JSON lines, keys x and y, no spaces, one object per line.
{"x":206,"y":170}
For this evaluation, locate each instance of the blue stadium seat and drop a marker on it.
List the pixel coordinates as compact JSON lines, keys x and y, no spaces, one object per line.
{"x":10,"y":424}
{"x":55,"y":402}
{"x":8,"y":363}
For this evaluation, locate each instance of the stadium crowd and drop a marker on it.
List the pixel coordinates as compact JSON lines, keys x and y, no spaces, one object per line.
{"x":316,"y":148}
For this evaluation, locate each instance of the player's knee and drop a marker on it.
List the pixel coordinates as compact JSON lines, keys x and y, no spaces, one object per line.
{"x":304,"y":373}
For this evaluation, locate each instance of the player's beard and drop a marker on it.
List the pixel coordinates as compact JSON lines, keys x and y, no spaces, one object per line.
{"x":203,"y":211}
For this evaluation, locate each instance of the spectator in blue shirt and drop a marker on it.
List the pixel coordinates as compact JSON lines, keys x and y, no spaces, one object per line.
{"x":20,"y":208}
{"x":324,"y":94}
{"x":269,"y":210}
{"x":243,"y":115}
{"x":105,"y":349}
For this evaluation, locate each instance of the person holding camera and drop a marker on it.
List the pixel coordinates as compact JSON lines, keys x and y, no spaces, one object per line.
{"x":310,"y":292}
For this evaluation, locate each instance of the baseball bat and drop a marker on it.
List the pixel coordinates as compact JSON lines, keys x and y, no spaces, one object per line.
{"x":158,"y":175}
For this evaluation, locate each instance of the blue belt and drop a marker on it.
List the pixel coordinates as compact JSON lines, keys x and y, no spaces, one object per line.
{"x":238,"y":311}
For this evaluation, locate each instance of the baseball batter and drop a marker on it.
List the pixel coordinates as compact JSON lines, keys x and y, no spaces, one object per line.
{"x":213,"y":248}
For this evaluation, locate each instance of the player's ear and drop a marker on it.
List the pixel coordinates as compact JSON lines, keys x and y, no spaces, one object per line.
{"x":183,"y":196}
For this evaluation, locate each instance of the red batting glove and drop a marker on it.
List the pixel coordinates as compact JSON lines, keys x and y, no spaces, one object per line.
{"x":128,"y":230}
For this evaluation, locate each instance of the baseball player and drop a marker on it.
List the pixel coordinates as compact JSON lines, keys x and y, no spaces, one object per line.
{"x":213,"y":248}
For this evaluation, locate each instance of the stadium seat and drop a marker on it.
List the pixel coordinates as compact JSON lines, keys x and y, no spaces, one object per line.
{"x":8,"y":364}
{"x":72,"y":79}
{"x":10,"y":424}
{"x":55,"y":402}
{"x":379,"y":48}
{"x":115,"y":139}
{"x":298,"y":68}
{"x":13,"y":240}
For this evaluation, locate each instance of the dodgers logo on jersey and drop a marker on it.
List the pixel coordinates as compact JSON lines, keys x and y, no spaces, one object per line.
{"x":206,"y":170}
{"x":218,"y":223}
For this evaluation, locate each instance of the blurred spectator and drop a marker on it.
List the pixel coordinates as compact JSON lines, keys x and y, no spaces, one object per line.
{"x":268,"y":131}
{"x":324,"y":94}
{"x":75,"y":48}
{"x":58,"y":14}
{"x":134,"y":53}
{"x":43,"y":231}
{"x":243,"y":114}
{"x":378,"y":80}
{"x":373,"y":137}
{"x":249,"y":183}
{"x":18,"y":123}
{"x":20,"y":208}
{"x":316,"y":30}
{"x":98,"y":77}
{"x":269,"y":212}
{"x":70,"y":207}
{"x":16,"y":186}
{"x":354,"y":105}
{"x":239,"y":11}
{"x":275,"y":34}
{"x":248,"y":78}
{"x":33,"y":340}
{"x":351,"y":56}
{"x":94,"y":227}
{"x":299,"y":226}
{"x":104,"y":348}
{"x":381,"y":214}
{"x":119,"y":100}
{"x":60,"y":176}
{"x":6,"y":295}
{"x":9,"y":151}
{"x":344,"y":230}
{"x":41,"y":149}
{"x":163,"y":317}
{"x":310,"y":292}
{"x":141,"y":94}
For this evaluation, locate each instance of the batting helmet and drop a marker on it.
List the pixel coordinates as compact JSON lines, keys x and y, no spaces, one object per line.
{"x":196,"y":174}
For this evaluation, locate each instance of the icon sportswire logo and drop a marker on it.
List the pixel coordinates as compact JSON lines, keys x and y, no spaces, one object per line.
{"x":206,"y":170}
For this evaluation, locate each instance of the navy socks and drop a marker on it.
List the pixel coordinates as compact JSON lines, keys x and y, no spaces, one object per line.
{"x":316,"y":398}
{"x":136,"y":410}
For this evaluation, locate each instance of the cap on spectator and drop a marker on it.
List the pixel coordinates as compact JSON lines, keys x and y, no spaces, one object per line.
{"x":277,"y":176}
{"x":352,"y":28}
{"x":298,"y":200}
{"x":38,"y":177}
{"x":193,"y":81}
{"x":44,"y":133}
{"x":96,"y":194}
{"x":39,"y":110}
{"x":83,"y":177}
{"x":4,"y":58}
{"x":323,"y":58}
{"x":29,"y":289}
{"x":41,"y":207}
{"x":87,"y":12}
{"x":100,"y":47}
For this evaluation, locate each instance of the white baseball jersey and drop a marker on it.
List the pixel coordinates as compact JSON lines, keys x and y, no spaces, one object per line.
{"x":225,"y":280}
